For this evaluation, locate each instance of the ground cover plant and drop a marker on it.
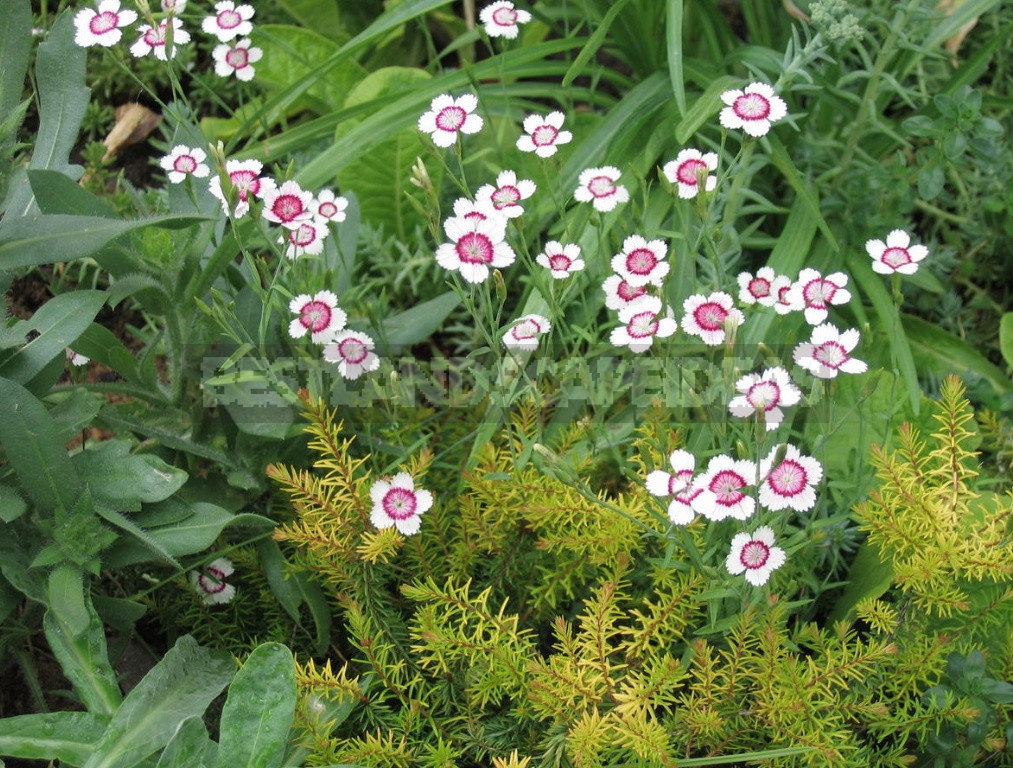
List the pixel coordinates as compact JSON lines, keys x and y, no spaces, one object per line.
{"x":564,"y":383}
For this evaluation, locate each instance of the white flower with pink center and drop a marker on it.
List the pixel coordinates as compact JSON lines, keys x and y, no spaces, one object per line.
{"x":601,"y":188}
{"x":505,"y":198}
{"x":561,"y":260}
{"x":760,"y":288}
{"x":755,"y":555}
{"x":817,"y":293}
{"x":475,"y":209}
{"x":723,"y":488}
{"x":76,"y":359}
{"x":308,"y":237}
{"x":154,"y":40}
{"x":318,"y":316}
{"x":501,"y":19}
{"x":245,"y":182}
{"x":229,"y":22}
{"x":752,"y":109}
{"x":352,"y":352}
{"x":288,"y":205}
{"x":641,"y":324}
{"x":524,"y":332}
{"x":185,"y":161}
{"x":619,"y":293}
{"x":173,"y":6}
{"x":709,"y":316}
{"x":477,"y":245}
{"x":792,"y":483}
{"x":210,"y":584}
{"x":678,"y":484}
{"x":641,"y":262}
{"x":448,"y":117}
{"x":765,"y":394}
{"x":785,"y":302}
{"x":103,"y":26}
{"x":327,"y":207}
{"x":690,"y":168}
{"x":237,"y":59}
{"x":543,"y":135}
{"x":828,"y":352}
{"x":896,"y":254}
{"x":399,"y":503}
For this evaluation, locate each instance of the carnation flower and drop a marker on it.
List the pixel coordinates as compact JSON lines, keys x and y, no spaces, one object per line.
{"x":398,"y":503}
{"x":752,"y":109}
{"x":319,"y":316}
{"x":327,"y":207}
{"x":308,"y":237}
{"x":154,"y":40}
{"x":476,"y":209}
{"x":288,"y":205}
{"x":678,"y":485}
{"x":183,"y":161}
{"x":524,"y":332}
{"x":506,"y":196}
{"x":76,"y":359}
{"x":230,"y":21}
{"x":896,"y":254}
{"x":816,"y":293}
{"x":619,"y":293}
{"x":785,"y":302}
{"x":352,"y":352}
{"x":765,"y":393}
{"x":707,"y":316}
{"x":642,"y":324}
{"x":828,"y":352}
{"x":641,"y":261}
{"x":543,"y":135}
{"x":722,"y":489}
{"x":210,"y":585}
{"x":755,"y":555}
{"x":103,"y":26}
{"x":791,"y":484}
{"x":449,"y":116}
{"x":501,"y":19}
{"x":688,"y":169}
{"x":237,"y":59}
{"x":760,"y":288}
{"x":598,"y":186}
{"x":561,"y":260}
{"x":476,"y":245}
{"x":245,"y":180}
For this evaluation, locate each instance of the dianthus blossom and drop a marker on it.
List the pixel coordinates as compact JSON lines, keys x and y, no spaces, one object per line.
{"x":501,"y":19}
{"x":476,"y":209}
{"x":755,"y":555}
{"x":600,"y":187}
{"x":352,"y":353}
{"x":722,"y":488}
{"x":765,"y":393}
{"x":505,"y":198}
{"x":641,"y":262}
{"x":476,"y":246}
{"x":237,"y":59}
{"x":210,"y":585}
{"x":154,"y":40}
{"x":397,"y":502}
{"x":76,"y":359}
{"x":183,"y":161}
{"x":318,"y":315}
{"x":103,"y":26}
{"x":678,"y":484}
{"x":308,"y":237}
{"x":709,"y":316}
{"x":524,"y":332}
{"x":326,"y":206}
{"x":561,"y":260}
{"x":229,"y":21}
{"x":543,"y":135}
{"x":752,"y":109}
{"x":816,"y":294}
{"x":896,"y":254}
{"x":641,"y":324}
{"x":760,"y":288}
{"x":245,"y":181}
{"x":828,"y":352}
{"x":619,"y":293}
{"x":448,"y":117}
{"x":791,"y":484}
{"x":689,"y":169}
{"x":288,"y":205}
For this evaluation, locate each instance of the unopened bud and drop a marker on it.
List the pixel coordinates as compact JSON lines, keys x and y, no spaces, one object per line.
{"x":420,"y":175}
{"x":501,"y":291}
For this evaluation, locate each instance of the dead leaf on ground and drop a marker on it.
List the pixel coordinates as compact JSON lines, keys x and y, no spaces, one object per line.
{"x":953,"y":44}
{"x":134,"y":122}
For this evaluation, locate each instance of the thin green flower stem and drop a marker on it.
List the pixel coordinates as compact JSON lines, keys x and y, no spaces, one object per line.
{"x":940,"y":213}
{"x":741,"y":165}
{"x":441,"y":156}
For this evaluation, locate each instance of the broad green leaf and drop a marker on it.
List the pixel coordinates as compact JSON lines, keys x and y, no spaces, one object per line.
{"x":68,"y":737}
{"x":118,"y":612}
{"x":794,"y":177}
{"x":123,"y":480}
{"x":594,"y":42}
{"x":322,"y":16}
{"x":673,"y":40}
{"x":10,"y":599}
{"x":180,"y":686}
{"x":704,"y":108}
{"x":56,"y":192}
{"x":189,"y":747}
{"x":943,"y":353}
{"x":100,"y":344}
{"x":283,"y":583}
{"x":66,"y":597}
{"x":84,"y":660}
{"x":124,"y":523}
{"x":1006,"y":338}
{"x":419,"y":322}
{"x":259,"y":710}
{"x":15,"y":42}
{"x":170,"y":431}
{"x":76,"y":411}
{"x":30,"y":438}
{"x":59,"y":322}
{"x":12,"y":506}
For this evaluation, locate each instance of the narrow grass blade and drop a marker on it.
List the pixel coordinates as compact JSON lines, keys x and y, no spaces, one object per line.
{"x":593,"y":44}
{"x":673,"y":33}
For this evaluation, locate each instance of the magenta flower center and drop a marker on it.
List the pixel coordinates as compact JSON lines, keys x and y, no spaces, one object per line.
{"x":727,"y":487}
{"x":185,"y":164}
{"x":751,"y":106}
{"x":237,"y":58}
{"x":642,"y":324}
{"x":212,"y":585}
{"x":789,"y":479}
{"x":327,"y":210}
{"x":764,"y":395}
{"x":303,"y":236}
{"x":505,"y":17}
{"x":287,"y":208}
{"x":560,"y":262}
{"x":399,"y":503}
{"x":244,"y":183}
{"x":687,"y":171}
{"x":759,"y":288}
{"x":710,"y":316}
{"x":818,"y":293}
{"x":103,"y":22}
{"x":526,"y":330}
{"x":155,"y":37}
{"x":831,"y":354}
{"x":229,"y":19}
{"x":782,"y":294}
{"x":641,"y":261}
{"x":505,"y":196}
{"x":601,"y":186}
{"x":451,"y":118}
{"x":544,"y":136}
{"x":754,"y":555}
{"x":896,"y":257}
{"x":352,"y":350}
{"x":474,"y":248}
{"x":316,"y":316}
{"x":628,"y":293}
